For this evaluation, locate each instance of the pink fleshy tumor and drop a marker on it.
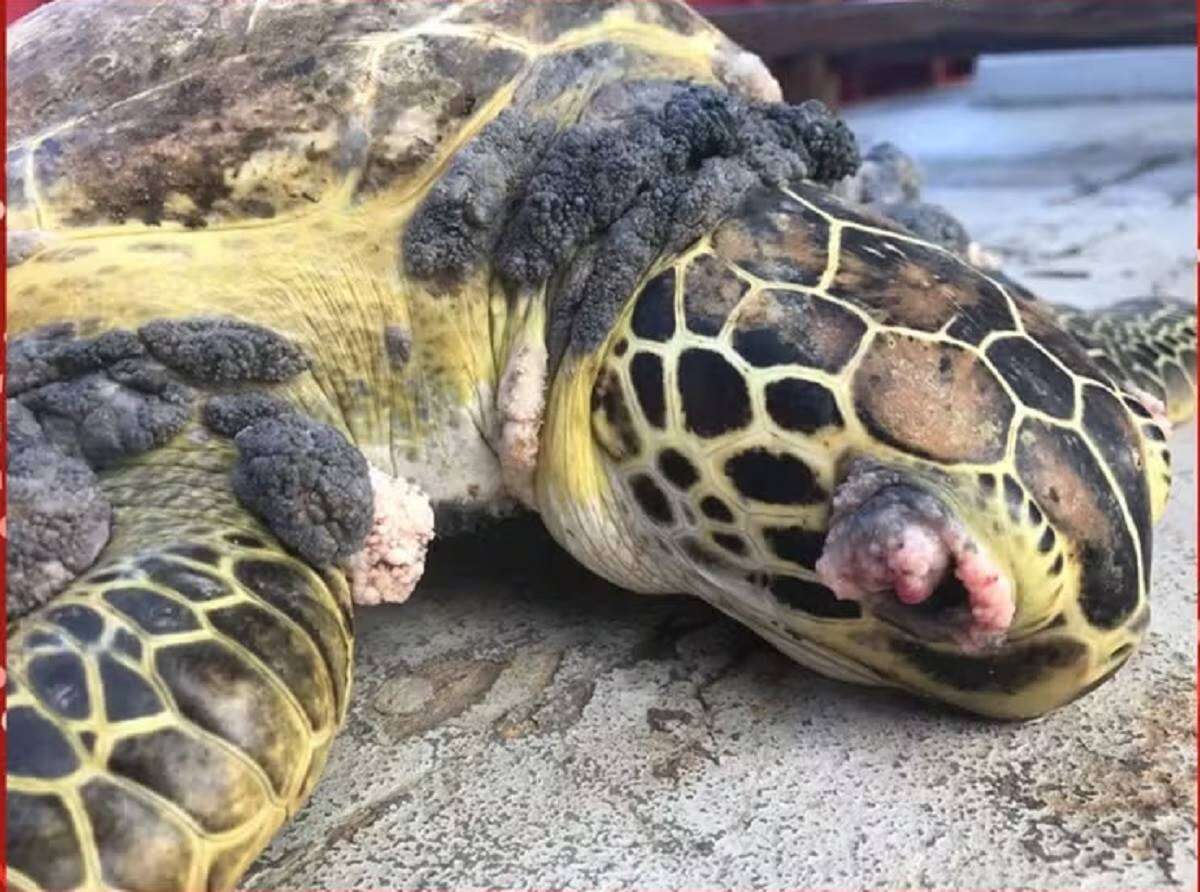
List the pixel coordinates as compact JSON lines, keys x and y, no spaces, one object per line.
{"x":892,"y":545}
{"x":392,"y":561}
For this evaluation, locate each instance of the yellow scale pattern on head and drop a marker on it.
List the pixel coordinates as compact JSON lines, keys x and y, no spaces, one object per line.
{"x":821,"y":452}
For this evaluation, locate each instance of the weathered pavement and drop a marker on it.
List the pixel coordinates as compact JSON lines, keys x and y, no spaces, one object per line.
{"x":520,"y":723}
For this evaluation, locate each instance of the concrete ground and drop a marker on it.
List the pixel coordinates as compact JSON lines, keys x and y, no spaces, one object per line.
{"x":519,"y":723}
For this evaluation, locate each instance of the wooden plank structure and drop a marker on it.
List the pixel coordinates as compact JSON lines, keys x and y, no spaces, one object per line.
{"x":778,"y":30}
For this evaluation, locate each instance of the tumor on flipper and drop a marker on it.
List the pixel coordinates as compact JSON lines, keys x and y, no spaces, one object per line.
{"x":303,"y":478}
{"x":58,"y":518}
{"x":100,"y":398}
{"x":307,"y":483}
{"x":392,"y":560}
{"x":223,"y":351}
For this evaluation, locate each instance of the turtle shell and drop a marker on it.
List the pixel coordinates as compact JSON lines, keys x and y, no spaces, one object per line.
{"x":193,"y":113}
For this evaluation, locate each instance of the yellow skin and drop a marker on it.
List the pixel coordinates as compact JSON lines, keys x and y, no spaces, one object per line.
{"x":178,"y":795}
{"x":585,"y":482}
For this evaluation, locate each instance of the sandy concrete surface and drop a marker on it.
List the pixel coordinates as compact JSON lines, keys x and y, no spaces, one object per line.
{"x":520,"y":723}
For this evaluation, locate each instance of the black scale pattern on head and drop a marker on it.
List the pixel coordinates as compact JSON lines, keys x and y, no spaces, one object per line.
{"x":715,"y":509}
{"x":796,"y":544}
{"x":1063,"y":476}
{"x":646,"y":373}
{"x":809,"y":597}
{"x":803,"y":406}
{"x":777,"y":328}
{"x":1008,"y":672}
{"x":1035,"y":378}
{"x":654,"y":312}
{"x":731,"y":542}
{"x":774,"y":478}
{"x":1109,"y":427}
{"x":714,"y":395}
{"x":652,"y":499}
{"x":676,"y":467}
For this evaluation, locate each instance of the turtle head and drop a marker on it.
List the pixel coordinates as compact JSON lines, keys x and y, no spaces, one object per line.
{"x":896,"y":472}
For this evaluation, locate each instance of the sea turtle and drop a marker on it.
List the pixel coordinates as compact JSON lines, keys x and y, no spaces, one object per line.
{"x":289,"y":281}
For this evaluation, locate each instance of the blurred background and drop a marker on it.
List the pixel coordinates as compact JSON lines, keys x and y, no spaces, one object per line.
{"x":842,"y":51}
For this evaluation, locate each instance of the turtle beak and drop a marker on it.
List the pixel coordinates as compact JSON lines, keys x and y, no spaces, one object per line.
{"x":896,"y":547}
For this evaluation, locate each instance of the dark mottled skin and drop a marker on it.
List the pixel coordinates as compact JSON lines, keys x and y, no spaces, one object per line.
{"x":459,"y":221}
{"x":653,"y":168}
{"x":223,"y":351}
{"x":229,"y":414}
{"x":132,"y":405}
{"x":58,"y":518}
{"x":308,"y":483}
{"x":594,"y":174}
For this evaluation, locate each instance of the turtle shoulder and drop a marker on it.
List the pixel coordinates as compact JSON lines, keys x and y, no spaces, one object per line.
{"x":195,"y":113}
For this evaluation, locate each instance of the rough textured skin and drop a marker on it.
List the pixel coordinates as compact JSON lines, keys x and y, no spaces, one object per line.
{"x":99,"y":399}
{"x":392,"y":560}
{"x":594,"y":174}
{"x":460,"y":220}
{"x":307,"y":483}
{"x":672,"y":214}
{"x":650,"y":167}
{"x":223,"y":351}
{"x":58,"y":519}
{"x":229,"y":413}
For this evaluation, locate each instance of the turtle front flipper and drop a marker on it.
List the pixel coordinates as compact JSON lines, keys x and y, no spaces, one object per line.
{"x":173,"y":706}
{"x":1148,"y":344}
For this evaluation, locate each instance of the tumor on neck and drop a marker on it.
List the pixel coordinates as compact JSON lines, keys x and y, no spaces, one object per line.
{"x":585,"y":211}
